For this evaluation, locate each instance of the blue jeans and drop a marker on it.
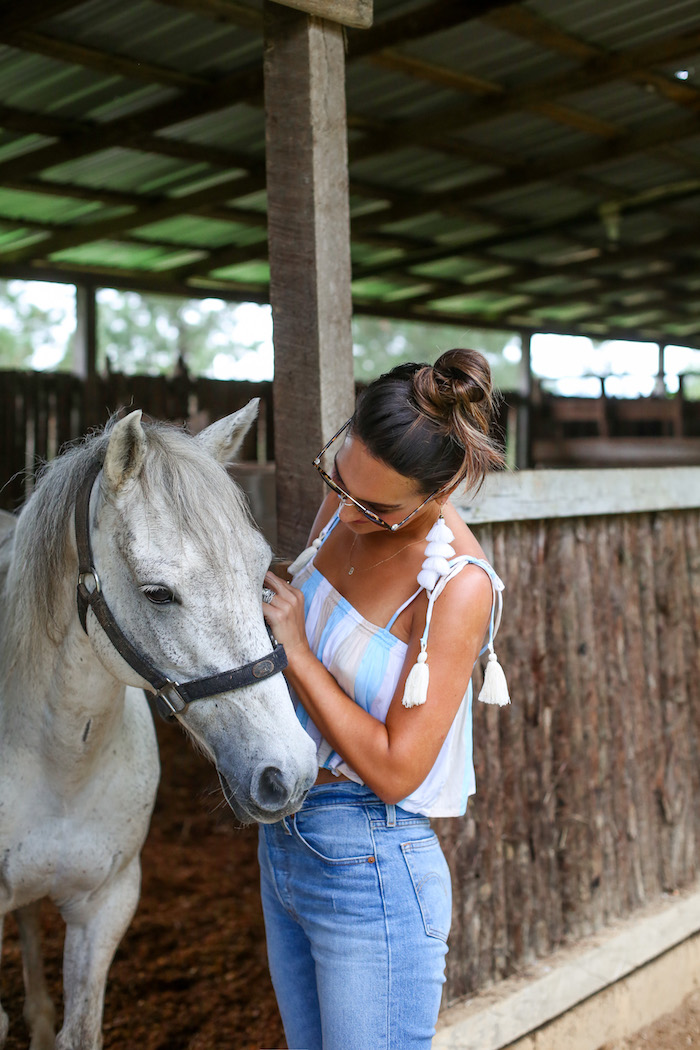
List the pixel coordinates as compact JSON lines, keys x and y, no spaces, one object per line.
{"x":357,"y":903}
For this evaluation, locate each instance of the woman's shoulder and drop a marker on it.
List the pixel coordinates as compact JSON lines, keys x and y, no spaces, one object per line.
{"x":473,"y":578}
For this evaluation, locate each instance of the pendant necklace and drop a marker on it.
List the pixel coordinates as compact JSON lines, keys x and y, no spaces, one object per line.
{"x":352,"y":568}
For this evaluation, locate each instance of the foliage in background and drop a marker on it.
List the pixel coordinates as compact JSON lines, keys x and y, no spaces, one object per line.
{"x":29,"y":328}
{"x":151,"y":333}
{"x":380,"y":344}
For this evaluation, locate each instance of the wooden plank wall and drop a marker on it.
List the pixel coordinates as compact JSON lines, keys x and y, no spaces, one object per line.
{"x":41,"y":412}
{"x":587,"y":785}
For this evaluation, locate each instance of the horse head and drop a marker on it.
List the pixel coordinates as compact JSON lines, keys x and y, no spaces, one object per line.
{"x":180,"y":564}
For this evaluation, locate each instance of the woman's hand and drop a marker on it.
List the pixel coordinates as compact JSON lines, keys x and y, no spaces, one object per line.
{"x":285,"y":614}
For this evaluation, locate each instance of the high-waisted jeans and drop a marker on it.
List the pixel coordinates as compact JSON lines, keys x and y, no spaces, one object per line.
{"x":357,"y":903}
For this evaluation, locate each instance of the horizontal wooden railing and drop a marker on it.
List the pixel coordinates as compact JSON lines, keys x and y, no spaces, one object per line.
{"x":40,"y":412}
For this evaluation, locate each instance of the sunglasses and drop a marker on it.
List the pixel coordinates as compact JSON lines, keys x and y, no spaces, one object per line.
{"x":346,"y":499}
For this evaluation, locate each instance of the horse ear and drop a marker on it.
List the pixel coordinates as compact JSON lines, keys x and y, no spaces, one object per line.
{"x":126,"y":450}
{"x":224,"y":437}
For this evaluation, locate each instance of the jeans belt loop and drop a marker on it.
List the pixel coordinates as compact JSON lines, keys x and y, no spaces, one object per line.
{"x":390,"y":816}
{"x":286,"y":827}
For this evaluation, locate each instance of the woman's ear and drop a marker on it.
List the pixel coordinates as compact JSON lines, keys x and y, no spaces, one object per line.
{"x":444,"y":496}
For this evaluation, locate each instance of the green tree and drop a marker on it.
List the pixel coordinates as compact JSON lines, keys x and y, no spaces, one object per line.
{"x":150,"y":333}
{"x":379,"y":344}
{"x":32,"y":334}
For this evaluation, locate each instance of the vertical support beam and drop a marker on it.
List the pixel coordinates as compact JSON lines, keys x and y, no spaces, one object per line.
{"x":309,"y":247}
{"x":522,"y":439}
{"x":86,"y":332}
{"x":85,"y":362}
{"x":660,"y":381}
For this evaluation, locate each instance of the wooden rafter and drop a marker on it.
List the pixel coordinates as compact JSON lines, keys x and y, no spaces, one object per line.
{"x":102,"y":61}
{"x":598,"y":267}
{"x":14,"y":16}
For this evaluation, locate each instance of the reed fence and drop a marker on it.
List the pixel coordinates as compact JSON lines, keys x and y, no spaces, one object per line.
{"x":588,"y":784}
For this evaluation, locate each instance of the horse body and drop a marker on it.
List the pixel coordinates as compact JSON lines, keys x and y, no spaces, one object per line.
{"x":181,"y":565}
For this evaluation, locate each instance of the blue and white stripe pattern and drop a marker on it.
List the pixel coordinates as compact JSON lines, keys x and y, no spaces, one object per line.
{"x":366,"y":660}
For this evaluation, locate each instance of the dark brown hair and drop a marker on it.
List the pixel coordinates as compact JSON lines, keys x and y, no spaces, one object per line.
{"x":432,"y":423}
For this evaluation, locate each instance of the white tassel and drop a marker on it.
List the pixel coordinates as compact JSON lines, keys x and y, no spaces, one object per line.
{"x":441,"y":532}
{"x":305,"y":557}
{"x":437,"y":553}
{"x":427,"y":578}
{"x":495,"y":688}
{"x":416,"y":689}
{"x":439,"y":565}
{"x":439,"y":550}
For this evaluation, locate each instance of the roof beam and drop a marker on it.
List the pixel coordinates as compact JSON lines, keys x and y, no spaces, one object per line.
{"x":138,"y":280}
{"x":432,"y":126}
{"x":15,"y":15}
{"x":434,"y":17}
{"x":525,"y":23}
{"x":165,"y":208}
{"x":229,"y":12}
{"x":102,"y":61}
{"x":124,"y":130}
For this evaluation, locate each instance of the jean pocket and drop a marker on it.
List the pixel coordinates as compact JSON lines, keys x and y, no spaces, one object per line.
{"x":430,"y":876}
{"x":326,"y":836}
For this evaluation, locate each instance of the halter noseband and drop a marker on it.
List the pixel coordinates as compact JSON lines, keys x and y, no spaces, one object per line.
{"x":171,"y":697}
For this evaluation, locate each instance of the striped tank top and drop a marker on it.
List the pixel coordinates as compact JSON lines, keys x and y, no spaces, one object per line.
{"x":366,"y":661}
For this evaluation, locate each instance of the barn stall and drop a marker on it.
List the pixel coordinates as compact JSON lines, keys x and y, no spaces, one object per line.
{"x":160,"y":168}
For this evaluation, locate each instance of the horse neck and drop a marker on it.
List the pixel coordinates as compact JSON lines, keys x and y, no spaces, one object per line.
{"x":57,"y":699}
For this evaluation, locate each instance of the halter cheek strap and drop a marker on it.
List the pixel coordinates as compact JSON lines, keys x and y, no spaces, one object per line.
{"x":171,"y":697}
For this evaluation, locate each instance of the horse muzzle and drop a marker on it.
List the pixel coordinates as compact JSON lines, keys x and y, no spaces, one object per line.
{"x":271,"y":795}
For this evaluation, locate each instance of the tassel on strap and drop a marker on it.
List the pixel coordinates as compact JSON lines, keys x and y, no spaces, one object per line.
{"x":437,"y":553}
{"x":416,"y":689}
{"x":305,"y":557}
{"x":495,"y":688}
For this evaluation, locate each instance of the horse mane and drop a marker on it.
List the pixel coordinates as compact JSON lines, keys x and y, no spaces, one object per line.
{"x":179,"y":477}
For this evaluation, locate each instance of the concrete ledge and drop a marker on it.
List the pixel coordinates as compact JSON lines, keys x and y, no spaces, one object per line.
{"x":587,"y":995}
{"x":527,"y":495}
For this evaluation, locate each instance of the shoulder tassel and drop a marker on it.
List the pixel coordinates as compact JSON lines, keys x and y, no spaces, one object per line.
{"x":305,"y":557}
{"x":416,"y":688}
{"x":495,"y":688}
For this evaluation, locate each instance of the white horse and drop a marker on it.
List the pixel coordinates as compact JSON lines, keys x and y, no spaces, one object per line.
{"x":178,"y":565}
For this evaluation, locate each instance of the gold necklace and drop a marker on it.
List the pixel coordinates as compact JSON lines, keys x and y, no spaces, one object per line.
{"x":352,"y":568}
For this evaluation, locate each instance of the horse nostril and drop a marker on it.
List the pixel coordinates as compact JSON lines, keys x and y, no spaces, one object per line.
{"x":269,"y":788}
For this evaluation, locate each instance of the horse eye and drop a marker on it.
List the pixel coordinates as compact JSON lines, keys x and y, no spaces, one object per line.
{"x":158,"y":594}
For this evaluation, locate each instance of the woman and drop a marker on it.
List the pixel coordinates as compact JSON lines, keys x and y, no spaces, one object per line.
{"x":356,"y":891}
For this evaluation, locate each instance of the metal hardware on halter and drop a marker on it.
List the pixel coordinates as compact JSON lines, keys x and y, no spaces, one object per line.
{"x":171,"y":697}
{"x":167,"y":707}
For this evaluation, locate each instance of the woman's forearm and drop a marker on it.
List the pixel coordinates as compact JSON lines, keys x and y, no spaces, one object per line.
{"x":359,"y":738}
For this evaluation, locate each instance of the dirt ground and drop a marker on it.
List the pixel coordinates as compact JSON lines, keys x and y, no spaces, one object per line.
{"x":191,"y":972}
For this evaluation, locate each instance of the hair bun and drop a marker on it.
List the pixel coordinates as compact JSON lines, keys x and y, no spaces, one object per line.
{"x":466,"y":386}
{"x":432,"y":423}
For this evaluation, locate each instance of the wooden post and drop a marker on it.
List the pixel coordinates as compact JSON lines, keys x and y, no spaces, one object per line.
{"x":309,"y":246}
{"x":660,"y":381}
{"x":522,"y":441}
{"x":86,"y":332}
{"x":85,"y":363}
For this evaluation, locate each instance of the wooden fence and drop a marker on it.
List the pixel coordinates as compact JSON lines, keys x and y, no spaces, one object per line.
{"x":41,"y":412}
{"x":587,"y":785}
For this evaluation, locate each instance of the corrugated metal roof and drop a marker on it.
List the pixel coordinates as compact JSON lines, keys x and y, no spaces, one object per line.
{"x":517,"y":167}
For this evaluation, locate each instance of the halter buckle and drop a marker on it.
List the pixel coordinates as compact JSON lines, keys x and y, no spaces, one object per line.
{"x":169,"y":699}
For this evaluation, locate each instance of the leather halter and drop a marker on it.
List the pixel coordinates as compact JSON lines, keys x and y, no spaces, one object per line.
{"x":171,"y":697}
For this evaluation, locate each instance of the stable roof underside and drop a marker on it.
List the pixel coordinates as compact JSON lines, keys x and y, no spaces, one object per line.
{"x":531,"y":166}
